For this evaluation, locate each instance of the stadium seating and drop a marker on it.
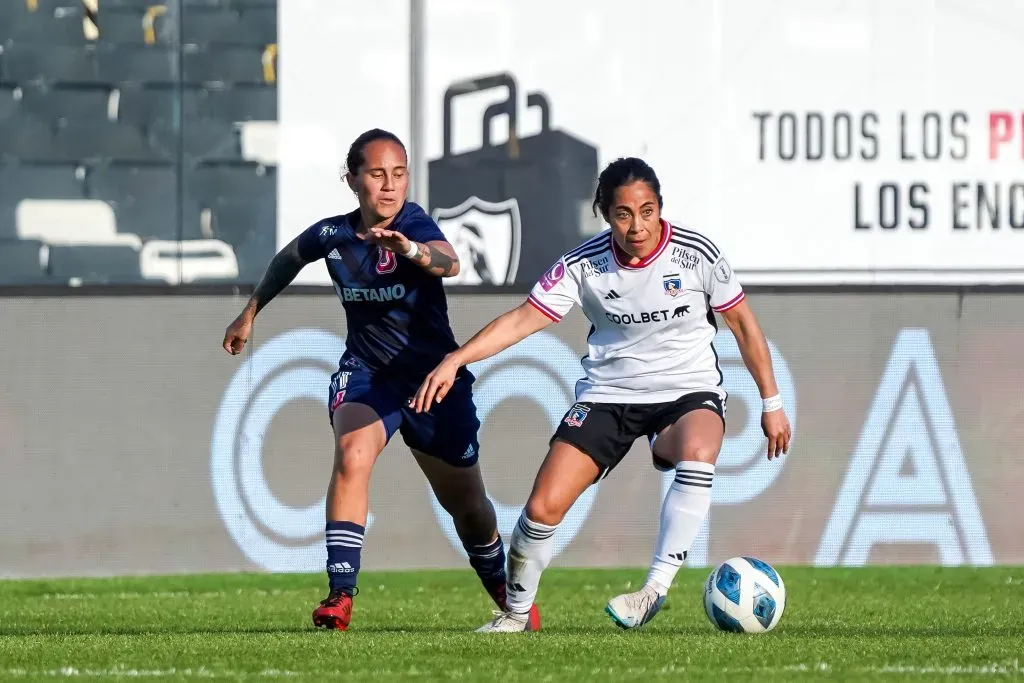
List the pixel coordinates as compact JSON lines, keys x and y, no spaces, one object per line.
{"x":65,"y":104}
{"x":55,"y":27}
{"x":239,"y":200}
{"x":143,"y":107}
{"x":94,"y":264}
{"x":25,"y":138}
{"x":238,"y":104}
{"x":228,"y":181}
{"x":259,"y":142}
{"x":118,"y":64}
{"x":197,"y":139}
{"x":55,"y":64}
{"x":217,"y":65}
{"x":23,"y":262}
{"x":253,"y":26}
{"x":100,"y":123}
{"x":8,"y":104}
{"x":249,"y":227}
{"x":44,"y":7}
{"x":188,"y":261}
{"x":81,"y":141}
{"x":144,"y":198}
{"x":71,"y":222}
{"x":123,"y":27}
{"x":130,"y":4}
{"x":20,"y":182}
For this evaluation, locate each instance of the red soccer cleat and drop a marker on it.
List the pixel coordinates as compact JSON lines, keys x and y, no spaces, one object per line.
{"x":533,"y":621}
{"x":334,"y":612}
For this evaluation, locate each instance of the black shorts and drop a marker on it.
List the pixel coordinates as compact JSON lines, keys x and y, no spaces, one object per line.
{"x":606,"y":431}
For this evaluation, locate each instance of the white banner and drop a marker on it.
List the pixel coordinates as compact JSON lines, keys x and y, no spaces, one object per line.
{"x":829,"y":142}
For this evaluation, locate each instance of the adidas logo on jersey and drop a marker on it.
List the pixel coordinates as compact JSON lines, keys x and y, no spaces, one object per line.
{"x":612,"y":294}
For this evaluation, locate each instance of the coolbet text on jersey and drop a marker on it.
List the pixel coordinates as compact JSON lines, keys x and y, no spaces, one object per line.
{"x":653,"y":323}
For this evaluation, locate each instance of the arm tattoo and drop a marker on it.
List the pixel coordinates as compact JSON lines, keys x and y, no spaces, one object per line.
{"x":282,"y":270}
{"x":435,"y":261}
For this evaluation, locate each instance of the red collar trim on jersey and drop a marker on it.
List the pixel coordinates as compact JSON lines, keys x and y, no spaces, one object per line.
{"x":622,"y":258}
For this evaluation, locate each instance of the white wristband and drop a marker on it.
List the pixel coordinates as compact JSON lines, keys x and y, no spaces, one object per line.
{"x":414,"y":249}
{"x":771,"y":404}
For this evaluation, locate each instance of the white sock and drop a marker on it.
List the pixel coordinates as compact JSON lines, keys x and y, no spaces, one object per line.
{"x":686,"y":505}
{"x":529,"y":553}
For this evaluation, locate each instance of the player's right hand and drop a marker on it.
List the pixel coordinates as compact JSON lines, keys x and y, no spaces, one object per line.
{"x":237,"y":334}
{"x":778,"y":430}
{"x":436,"y":385}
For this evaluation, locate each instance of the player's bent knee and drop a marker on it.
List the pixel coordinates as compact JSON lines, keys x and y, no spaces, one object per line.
{"x":470,"y":503}
{"x":701,"y":452}
{"x":354,"y":458}
{"x":474,"y":517}
{"x":545,"y":510}
{"x":463,"y":502}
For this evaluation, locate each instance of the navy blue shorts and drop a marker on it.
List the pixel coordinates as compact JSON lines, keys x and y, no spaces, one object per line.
{"x":447,"y":432}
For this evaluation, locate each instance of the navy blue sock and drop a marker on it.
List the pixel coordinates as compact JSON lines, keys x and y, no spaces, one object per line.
{"x":344,"y":545}
{"x":488,"y":560}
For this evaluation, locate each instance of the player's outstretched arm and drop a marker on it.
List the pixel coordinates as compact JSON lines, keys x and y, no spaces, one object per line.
{"x":756,"y":356}
{"x":437,"y":257}
{"x":282,"y":270}
{"x":501,"y":333}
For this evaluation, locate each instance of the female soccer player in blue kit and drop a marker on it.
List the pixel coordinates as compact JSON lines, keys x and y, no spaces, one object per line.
{"x":386,"y":260}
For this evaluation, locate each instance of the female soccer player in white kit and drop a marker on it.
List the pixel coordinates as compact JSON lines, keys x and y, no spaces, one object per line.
{"x":651,"y":291}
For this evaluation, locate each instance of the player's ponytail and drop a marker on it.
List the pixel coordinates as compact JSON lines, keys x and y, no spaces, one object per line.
{"x":355,"y":158}
{"x":623,"y":171}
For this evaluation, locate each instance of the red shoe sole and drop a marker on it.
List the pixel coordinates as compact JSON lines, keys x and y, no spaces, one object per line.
{"x":330,"y":623}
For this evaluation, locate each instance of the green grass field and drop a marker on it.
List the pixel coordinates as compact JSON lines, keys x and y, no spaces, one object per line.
{"x":862,"y":624}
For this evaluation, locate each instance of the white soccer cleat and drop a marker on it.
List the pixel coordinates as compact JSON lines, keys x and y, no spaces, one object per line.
{"x":633,"y":610}
{"x":506,"y":622}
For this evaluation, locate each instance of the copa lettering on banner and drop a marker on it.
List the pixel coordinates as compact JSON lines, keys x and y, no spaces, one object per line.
{"x":743,"y":472}
{"x":932,"y":502}
{"x":297,"y":365}
{"x":880,"y":501}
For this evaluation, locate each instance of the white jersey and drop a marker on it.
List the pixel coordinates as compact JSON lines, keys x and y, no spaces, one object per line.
{"x":653,"y":323}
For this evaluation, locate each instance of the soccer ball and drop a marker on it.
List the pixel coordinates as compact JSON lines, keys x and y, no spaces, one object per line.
{"x":744,"y":595}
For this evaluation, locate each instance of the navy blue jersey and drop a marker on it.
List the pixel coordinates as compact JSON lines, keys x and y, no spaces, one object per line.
{"x":397,"y":312}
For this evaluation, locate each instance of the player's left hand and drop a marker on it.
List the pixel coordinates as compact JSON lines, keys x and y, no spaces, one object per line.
{"x":436,"y":385}
{"x":392,"y":240}
{"x":776,"y":427}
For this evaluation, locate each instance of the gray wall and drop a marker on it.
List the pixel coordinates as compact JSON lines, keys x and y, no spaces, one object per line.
{"x":131,"y":443}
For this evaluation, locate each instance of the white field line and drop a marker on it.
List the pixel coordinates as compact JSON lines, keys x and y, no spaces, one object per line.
{"x":133,"y":595}
{"x":994,"y":669}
